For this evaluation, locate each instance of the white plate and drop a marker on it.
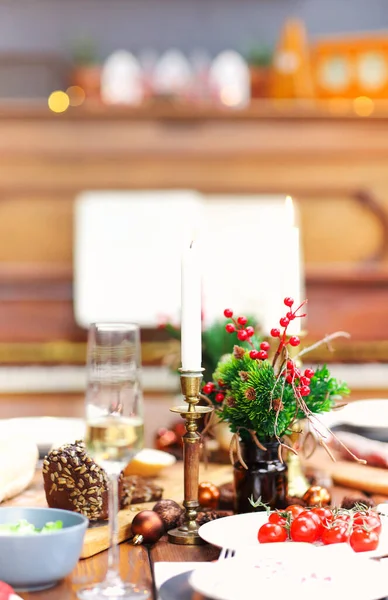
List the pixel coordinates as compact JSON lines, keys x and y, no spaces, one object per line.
{"x":239,"y":532}
{"x":46,"y":432}
{"x":270,"y":578}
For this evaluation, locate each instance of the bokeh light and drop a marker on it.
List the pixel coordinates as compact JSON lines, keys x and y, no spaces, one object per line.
{"x":230,"y":96}
{"x":76,"y":95}
{"x":58,"y":101}
{"x":363,"y":106}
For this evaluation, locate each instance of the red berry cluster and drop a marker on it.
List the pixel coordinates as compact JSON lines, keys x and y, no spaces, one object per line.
{"x":285,"y":321}
{"x":300,"y":383}
{"x":210,"y":388}
{"x":294,"y":376}
{"x":244,"y":333}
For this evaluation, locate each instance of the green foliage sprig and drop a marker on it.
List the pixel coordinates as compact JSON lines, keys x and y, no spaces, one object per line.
{"x":256,"y":400}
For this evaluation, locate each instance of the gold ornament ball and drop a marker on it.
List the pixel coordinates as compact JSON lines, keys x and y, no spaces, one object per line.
{"x":208,"y":495}
{"x":317,"y":496}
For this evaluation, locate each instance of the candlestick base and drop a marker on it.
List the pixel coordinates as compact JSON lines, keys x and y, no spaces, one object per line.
{"x":187,"y":533}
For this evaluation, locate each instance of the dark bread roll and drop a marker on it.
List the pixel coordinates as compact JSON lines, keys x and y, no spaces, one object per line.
{"x":73,"y":481}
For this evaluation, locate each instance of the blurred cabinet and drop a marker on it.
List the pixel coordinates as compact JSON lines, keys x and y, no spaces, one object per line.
{"x":335,"y":166}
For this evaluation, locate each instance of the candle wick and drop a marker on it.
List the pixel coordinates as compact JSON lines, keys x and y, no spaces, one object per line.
{"x":192,"y":242}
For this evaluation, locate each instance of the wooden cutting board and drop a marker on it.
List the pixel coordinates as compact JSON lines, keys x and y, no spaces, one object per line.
{"x":350,"y":473}
{"x":362,"y":477}
{"x":96,"y":537}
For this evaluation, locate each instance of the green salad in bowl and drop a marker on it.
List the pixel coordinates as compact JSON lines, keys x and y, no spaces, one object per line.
{"x":39,"y":546}
{"x":23,"y":527}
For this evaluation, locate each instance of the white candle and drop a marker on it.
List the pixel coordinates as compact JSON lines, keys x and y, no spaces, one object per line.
{"x":191,"y":325}
{"x":281,"y":273}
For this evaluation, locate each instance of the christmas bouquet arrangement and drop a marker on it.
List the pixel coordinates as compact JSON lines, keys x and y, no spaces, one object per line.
{"x":262,"y":391}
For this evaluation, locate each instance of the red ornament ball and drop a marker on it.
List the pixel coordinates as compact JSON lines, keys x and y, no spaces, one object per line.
{"x":230,"y":328}
{"x":165,"y":438}
{"x":180,"y":429}
{"x":242,"y":335}
{"x":284,"y":321}
{"x":290,"y":365}
{"x":288,"y":301}
{"x":275,"y":332}
{"x":242,"y":321}
{"x":262,"y":355}
{"x":254,"y":354}
{"x":208,"y":388}
{"x":290,"y":378}
{"x":304,"y":381}
{"x":228,"y":313}
{"x":147,"y":527}
{"x":219,"y":397}
{"x":290,"y":315}
{"x":294,"y":340}
{"x":264,"y":346}
{"x":250,"y":331}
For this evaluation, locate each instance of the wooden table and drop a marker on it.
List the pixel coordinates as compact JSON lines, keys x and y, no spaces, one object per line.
{"x":136,"y":565}
{"x":136,"y":562}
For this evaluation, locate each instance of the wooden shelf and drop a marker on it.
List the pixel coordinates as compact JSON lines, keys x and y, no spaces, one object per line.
{"x":164,"y":110}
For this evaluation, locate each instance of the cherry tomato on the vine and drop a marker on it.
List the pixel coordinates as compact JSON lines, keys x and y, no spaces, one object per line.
{"x":295,"y":510}
{"x":360,"y":528}
{"x":337,"y":534}
{"x":324,"y":514}
{"x":362,"y":540}
{"x":315,"y":518}
{"x":304,"y":529}
{"x":368,"y":521}
{"x":277,"y":519}
{"x":342,"y":518}
{"x":270,"y":532}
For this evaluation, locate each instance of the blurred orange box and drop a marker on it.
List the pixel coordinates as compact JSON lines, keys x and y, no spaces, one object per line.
{"x":349,"y":67}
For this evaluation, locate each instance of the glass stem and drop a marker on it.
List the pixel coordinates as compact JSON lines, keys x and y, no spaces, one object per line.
{"x":114,"y":549}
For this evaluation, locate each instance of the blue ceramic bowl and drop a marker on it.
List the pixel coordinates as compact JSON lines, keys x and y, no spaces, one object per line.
{"x":37,"y":562}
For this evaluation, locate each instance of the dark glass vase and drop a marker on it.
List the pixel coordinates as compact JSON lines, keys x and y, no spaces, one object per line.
{"x":266,"y":477}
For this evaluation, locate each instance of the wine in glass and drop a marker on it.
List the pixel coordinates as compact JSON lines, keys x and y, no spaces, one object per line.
{"x":114,"y":431}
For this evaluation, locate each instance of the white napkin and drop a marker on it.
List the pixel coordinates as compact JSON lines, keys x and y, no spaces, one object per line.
{"x":165,"y":570}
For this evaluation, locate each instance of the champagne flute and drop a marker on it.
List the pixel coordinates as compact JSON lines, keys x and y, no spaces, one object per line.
{"x":114,"y":431}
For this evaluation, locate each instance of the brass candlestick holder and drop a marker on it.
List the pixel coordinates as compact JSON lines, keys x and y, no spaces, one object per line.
{"x":191,"y":386}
